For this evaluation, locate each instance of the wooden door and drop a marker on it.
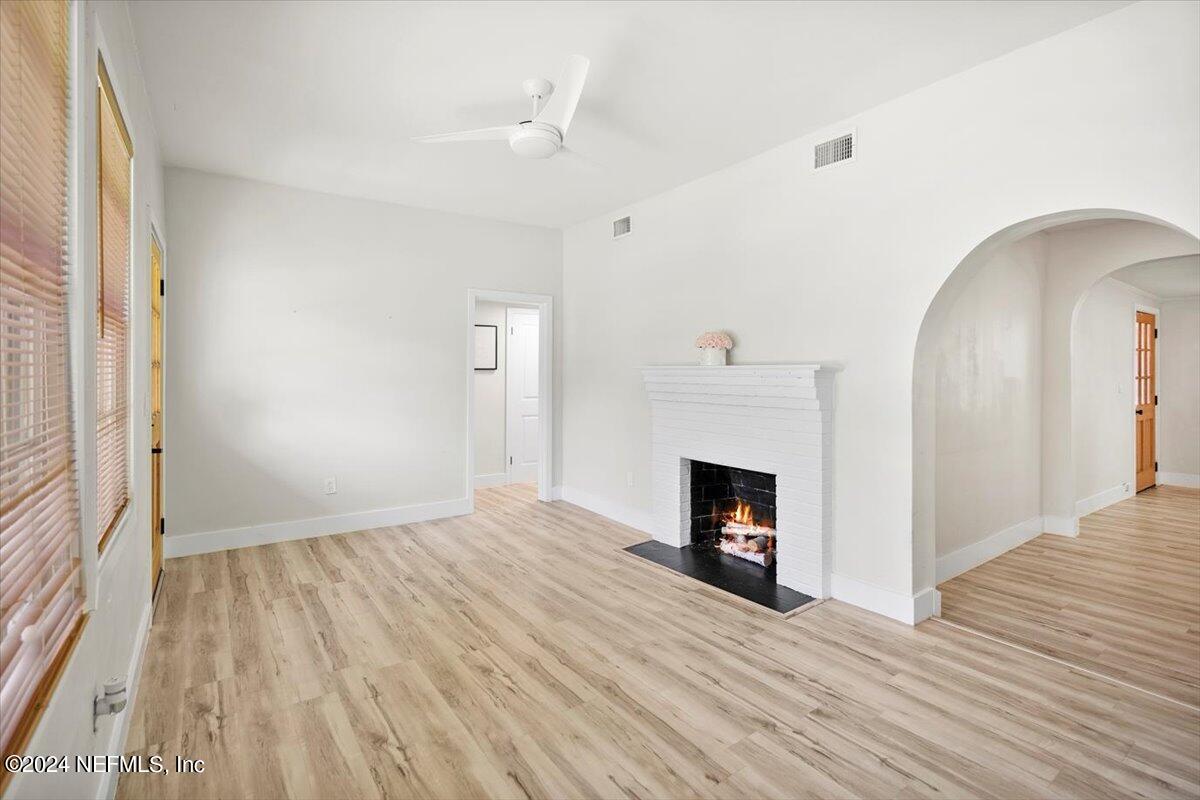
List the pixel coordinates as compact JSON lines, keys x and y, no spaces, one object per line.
{"x":523,"y":433}
{"x":156,"y":415}
{"x":1146,"y":399}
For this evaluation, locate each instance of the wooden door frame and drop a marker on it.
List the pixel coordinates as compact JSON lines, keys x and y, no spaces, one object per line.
{"x":508,"y":453}
{"x":1133,"y":403}
{"x":544,"y":304}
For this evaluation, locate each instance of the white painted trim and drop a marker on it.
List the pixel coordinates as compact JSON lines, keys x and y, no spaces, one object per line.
{"x":556,"y":493}
{"x":632,"y":517}
{"x":927,"y":603}
{"x":1099,"y":500}
{"x":909,"y":609}
{"x":1060,"y":526}
{"x":491,"y":479}
{"x":971,"y":556}
{"x":107,"y":789}
{"x":545,"y":306}
{"x":190,"y":544}
{"x":1178,"y":479}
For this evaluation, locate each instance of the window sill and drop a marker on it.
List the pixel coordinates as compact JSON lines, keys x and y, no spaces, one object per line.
{"x":114,"y":533}
{"x":42,"y":697}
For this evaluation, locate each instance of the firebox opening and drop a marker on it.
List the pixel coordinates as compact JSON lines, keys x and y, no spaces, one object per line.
{"x":733,"y":510}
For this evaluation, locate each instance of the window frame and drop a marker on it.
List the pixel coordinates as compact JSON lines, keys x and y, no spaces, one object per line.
{"x":108,"y":91}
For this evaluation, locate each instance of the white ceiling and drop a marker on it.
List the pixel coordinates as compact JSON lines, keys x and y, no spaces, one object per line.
{"x":1164,"y":278}
{"x":324,"y":95}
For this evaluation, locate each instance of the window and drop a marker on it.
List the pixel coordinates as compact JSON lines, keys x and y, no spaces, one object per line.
{"x":41,"y":593}
{"x":112,"y":309}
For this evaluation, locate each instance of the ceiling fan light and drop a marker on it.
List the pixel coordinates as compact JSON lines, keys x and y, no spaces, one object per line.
{"x":534,"y":142}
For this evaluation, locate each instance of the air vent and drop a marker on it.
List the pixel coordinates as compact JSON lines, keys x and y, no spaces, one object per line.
{"x":622,"y":227}
{"x":834,"y":151}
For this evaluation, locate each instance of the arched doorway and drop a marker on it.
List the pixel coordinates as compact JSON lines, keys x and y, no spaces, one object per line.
{"x":1143,"y":238}
{"x":994,"y":461}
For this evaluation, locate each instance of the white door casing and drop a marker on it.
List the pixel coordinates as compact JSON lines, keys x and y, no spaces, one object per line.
{"x":522,"y":439}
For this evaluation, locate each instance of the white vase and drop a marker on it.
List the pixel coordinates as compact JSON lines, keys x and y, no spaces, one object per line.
{"x":712,"y":356}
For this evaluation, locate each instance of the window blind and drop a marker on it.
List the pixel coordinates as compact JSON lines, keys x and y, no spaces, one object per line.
{"x":41,"y":594}
{"x":112,"y":307}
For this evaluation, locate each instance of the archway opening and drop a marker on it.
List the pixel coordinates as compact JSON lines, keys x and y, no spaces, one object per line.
{"x":1007,"y":426}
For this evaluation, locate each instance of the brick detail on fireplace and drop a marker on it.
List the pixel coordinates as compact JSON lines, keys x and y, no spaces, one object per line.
{"x":771,"y":419}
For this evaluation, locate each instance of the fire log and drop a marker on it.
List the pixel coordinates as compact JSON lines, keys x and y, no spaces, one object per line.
{"x":747,"y":530}
{"x":734,"y":549}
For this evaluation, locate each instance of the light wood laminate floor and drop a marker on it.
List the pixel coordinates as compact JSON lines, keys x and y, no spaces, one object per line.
{"x":520,"y":653}
{"x":1123,"y":598}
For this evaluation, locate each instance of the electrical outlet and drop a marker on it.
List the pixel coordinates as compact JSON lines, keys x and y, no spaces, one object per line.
{"x":629,"y":478}
{"x":331,"y":486}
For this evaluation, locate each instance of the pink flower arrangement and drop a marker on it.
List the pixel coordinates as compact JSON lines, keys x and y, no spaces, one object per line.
{"x":714,"y":340}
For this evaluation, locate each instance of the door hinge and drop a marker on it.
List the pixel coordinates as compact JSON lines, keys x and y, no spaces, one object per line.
{"x":1156,"y":333}
{"x":1155,"y":399}
{"x":1156,"y":466}
{"x":162,"y":287}
{"x":510,"y":461}
{"x":162,"y":526}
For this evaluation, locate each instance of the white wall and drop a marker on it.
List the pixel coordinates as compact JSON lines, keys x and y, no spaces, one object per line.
{"x":118,"y":584}
{"x":1102,"y":393}
{"x":841,"y":265}
{"x":1179,"y":391}
{"x":316,"y":336}
{"x":489,"y":396}
{"x":989,"y":401}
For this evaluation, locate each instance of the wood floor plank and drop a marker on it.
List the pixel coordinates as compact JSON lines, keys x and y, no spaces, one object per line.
{"x":519,"y":652}
{"x":1122,"y":598}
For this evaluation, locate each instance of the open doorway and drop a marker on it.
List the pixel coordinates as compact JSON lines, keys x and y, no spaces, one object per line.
{"x":1042,"y":416}
{"x":510,"y":425}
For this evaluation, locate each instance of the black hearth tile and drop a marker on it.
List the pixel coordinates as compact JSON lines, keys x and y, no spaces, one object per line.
{"x":738,"y":577}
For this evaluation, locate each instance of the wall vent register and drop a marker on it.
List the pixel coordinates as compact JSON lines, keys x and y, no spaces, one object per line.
{"x":622,"y":227}
{"x":834,"y":151}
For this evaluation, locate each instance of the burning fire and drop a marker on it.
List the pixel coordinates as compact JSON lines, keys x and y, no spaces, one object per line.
{"x":743,"y":514}
{"x":743,"y":536}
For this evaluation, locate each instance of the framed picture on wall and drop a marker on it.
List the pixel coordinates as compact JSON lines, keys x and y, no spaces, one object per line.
{"x":486,"y":338}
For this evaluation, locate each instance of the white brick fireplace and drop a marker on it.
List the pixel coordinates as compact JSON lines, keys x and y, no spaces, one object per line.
{"x":776,"y":419}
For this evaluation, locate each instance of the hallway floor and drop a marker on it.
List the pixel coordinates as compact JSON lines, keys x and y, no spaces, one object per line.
{"x":1122,"y":599}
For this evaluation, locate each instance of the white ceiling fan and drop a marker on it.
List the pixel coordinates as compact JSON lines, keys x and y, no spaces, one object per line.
{"x":542,"y":136}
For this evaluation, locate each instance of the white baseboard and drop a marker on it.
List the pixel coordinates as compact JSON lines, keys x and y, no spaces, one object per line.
{"x":556,"y":493}
{"x":491,"y":479}
{"x":909,"y":609}
{"x":1060,"y":526}
{"x":618,"y":512}
{"x":971,"y":556}
{"x":1178,"y":479}
{"x":107,"y":789}
{"x":190,"y":544}
{"x":1090,"y":505}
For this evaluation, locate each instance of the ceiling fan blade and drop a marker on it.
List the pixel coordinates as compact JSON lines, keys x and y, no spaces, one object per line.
{"x":561,"y":108}
{"x":500,"y":133}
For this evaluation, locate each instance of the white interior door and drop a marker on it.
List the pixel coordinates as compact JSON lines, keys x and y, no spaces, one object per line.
{"x":521,"y":355}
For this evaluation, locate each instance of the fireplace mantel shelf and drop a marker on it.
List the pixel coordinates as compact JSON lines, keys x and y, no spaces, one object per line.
{"x":731,"y":368}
